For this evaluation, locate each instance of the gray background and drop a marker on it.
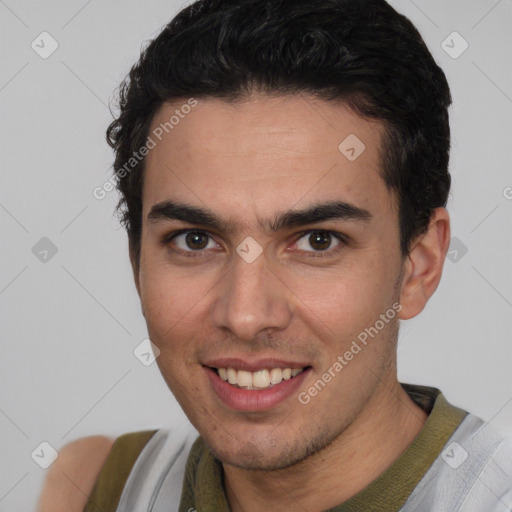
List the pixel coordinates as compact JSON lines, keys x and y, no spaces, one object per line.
{"x":69,"y":325}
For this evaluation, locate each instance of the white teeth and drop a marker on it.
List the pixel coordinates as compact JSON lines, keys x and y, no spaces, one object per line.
{"x":244,"y":379}
{"x":261,"y":379}
{"x":231,"y":375}
{"x":257,"y":380}
{"x":276,"y":375}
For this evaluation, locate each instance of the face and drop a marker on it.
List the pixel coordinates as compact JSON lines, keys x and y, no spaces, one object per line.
{"x":242,"y":278}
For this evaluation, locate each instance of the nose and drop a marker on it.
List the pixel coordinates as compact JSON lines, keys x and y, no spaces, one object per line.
{"x":251,"y":298}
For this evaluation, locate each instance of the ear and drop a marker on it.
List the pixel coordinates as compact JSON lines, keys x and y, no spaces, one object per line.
{"x":424,"y":265}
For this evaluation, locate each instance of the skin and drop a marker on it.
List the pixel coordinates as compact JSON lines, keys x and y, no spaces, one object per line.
{"x":248,"y":162}
{"x":70,"y":479}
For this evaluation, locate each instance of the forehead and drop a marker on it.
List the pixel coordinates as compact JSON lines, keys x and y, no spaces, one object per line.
{"x":263,"y":153}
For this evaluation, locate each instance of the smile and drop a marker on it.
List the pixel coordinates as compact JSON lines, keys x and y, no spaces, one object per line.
{"x":255,"y":386}
{"x":261,"y":379}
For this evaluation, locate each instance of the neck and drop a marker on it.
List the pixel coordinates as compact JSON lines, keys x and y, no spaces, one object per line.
{"x":364,"y":450}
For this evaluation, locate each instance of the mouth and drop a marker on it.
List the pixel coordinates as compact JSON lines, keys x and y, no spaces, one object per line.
{"x":255,"y":387}
{"x":261,"y":379}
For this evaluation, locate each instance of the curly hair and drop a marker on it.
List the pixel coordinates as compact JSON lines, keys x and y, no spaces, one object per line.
{"x":360,"y":52}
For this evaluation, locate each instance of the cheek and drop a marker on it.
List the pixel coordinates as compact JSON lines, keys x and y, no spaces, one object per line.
{"x":346,"y":298}
{"x":172,"y":322}
{"x":172,"y":299}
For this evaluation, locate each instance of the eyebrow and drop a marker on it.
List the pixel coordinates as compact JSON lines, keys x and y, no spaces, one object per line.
{"x":331,"y":210}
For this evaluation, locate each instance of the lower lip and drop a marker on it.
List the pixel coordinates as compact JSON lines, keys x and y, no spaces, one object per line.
{"x":256,"y":400}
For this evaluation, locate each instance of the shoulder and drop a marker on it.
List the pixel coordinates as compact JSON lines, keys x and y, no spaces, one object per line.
{"x":473,"y":471}
{"x":71,"y":478}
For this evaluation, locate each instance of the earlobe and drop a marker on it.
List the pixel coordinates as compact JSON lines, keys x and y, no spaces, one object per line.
{"x":424,"y":265}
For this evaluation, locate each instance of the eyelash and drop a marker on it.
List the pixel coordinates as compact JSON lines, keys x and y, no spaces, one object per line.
{"x":167,"y":239}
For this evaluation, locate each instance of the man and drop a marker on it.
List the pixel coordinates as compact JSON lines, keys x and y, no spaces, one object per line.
{"x":283,"y":170}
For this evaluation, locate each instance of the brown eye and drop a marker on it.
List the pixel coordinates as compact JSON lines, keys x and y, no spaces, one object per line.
{"x":196,"y":240}
{"x":319,"y":243}
{"x":190,"y":241}
{"x":320,"y":240}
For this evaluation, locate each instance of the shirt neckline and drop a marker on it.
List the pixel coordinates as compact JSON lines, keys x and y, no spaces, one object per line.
{"x":203,"y":487}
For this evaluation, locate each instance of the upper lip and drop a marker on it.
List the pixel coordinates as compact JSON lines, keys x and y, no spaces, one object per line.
{"x":253,"y":366}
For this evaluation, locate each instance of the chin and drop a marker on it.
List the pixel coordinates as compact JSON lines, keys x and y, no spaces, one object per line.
{"x":251,"y":458}
{"x":270,"y":455}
